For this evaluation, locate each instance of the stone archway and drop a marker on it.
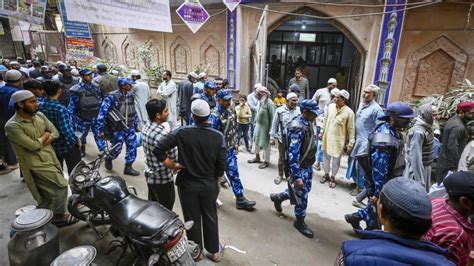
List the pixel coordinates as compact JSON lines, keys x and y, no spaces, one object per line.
{"x":129,"y":53}
{"x":156,"y":49}
{"x":434,"y":68}
{"x":110,"y":51}
{"x":180,"y":54}
{"x":212,"y":55}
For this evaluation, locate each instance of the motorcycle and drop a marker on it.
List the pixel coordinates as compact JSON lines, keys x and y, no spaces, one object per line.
{"x":154,"y":234}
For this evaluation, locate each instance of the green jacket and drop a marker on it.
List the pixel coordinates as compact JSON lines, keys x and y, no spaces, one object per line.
{"x":263,"y":123}
{"x":25,"y":138}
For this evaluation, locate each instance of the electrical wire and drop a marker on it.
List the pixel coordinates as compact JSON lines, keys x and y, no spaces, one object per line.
{"x":335,"y":17}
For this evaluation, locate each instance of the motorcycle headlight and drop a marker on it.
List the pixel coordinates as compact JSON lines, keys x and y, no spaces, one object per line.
{"x":80,"y":178}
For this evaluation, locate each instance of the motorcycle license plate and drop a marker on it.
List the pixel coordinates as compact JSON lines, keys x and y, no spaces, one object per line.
{"x":177,"y":251}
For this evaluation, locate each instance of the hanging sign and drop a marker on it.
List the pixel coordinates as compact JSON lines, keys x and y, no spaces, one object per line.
{"x":194,"y":15}
{"x":151,"y":15}
{"x":74,"y":29}
{"x":231,"y":4}
{"x":80,"y":49}
{"x":27,"y":10}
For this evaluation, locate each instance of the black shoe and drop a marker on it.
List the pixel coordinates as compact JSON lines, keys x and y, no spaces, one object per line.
{"x":83,"y":151}
{"x":130,"y":171}
{"x":354,"y":219}
{"x":303,"y":228}
{"x":242,"y":203}
{"x":277,"y":199}
{"x":108,"y":164}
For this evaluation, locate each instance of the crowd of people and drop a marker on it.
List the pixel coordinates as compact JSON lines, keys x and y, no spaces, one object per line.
{"x":194,"y":130}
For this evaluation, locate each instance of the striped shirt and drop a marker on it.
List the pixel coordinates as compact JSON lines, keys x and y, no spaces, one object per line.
{"x":452,"y":231}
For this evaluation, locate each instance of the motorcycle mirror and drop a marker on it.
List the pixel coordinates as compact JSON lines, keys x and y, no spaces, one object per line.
{"x":153,"y":259}
{"x":188,"y":225}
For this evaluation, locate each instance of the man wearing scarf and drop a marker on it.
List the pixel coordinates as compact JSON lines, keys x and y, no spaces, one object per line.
{"x":263,"y":124}
{"x":420,"y":146}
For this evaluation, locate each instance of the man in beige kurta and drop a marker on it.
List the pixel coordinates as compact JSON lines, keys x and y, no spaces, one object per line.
{"x":31,"y":135}
{"x":338,"y":134}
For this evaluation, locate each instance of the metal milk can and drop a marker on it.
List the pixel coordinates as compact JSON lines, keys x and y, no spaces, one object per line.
{"x":81,"y":255}
{"x":36,"y":241}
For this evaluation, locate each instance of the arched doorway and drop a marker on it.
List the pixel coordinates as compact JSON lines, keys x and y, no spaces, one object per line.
{"x":322,"y":48}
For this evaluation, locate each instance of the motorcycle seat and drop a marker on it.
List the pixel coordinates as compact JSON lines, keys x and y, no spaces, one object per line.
{"x":141,"y":218}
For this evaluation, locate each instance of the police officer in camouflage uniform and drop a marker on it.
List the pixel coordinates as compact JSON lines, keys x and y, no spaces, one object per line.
{"x":84,"y":108}
{"x":121,"y":103}
{"x":302,"y":147}
{"x":66,"y":81}
{"x":209,"y":93}
{"x":385,"y":160}
{"x":223,"y":118}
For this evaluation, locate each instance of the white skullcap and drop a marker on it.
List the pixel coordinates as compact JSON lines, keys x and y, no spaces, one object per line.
{"x":257,"y":85}
{"x":200,"y":108}
{"x":335,"y":91}
{"x":373,"y":88}
{"x":135,"y":72}
{"x":14,"y":63}
{"x":345,"y":94}
{"x":22,"y":95}
{"x":194,"y":75}
{"x":115,"y":72}
{"x":202,"y":75}
{"x":291,"y":95}
{"x":332,"y":81}
{"x":59,"y":62}
{"x":75,"y":72}
{"x":12,"y":75}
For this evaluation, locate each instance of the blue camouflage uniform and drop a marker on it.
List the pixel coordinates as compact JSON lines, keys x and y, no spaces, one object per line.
{"x":126,"y":106}
{"x":221,"y":120}
{"x":83,"y":125}
{"x":300,"y":129}
{"x":384,"y":162}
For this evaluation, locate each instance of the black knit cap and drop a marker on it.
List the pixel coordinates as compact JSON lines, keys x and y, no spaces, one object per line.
{"x":460,"y":184}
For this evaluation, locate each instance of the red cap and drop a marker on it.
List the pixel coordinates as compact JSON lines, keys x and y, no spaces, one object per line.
{"x":465,"y":106}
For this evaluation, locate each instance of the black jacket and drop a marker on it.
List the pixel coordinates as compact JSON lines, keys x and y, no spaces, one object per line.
{"x":201,"y":150}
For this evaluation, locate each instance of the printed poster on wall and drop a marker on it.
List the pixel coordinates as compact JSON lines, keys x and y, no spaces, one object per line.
{"x":151,"y":15}
{"x":27,"y":10}
{"x":80,"y":49}
{"x":74,"y":29}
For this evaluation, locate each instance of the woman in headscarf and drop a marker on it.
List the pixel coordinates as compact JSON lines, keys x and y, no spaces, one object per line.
{"x":420,"y":146}
{"x":263,"y":123}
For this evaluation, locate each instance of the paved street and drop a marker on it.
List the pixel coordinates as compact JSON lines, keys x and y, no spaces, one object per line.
{"x":264,"y":236}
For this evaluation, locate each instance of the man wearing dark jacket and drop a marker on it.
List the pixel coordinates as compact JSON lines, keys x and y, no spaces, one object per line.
{"x":454,"y":140}
{"x":404,"y":208}
{"x":202,"y":160}
{"x":185,"y":91}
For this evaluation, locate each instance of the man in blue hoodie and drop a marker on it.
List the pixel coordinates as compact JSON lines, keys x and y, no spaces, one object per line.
{"x":404,"y":209}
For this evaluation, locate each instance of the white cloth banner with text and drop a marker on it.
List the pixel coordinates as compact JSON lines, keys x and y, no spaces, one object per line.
{"x":151,"y":15}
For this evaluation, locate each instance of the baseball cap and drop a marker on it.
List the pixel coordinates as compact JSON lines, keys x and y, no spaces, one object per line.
{"x":64,"y":67}
{"x":200,"y":108}
{"x":12,"y":75}
{"x":224,"y":94}
{"x":85,"y":71}
{"x":460,"y":184}
{"x":294,"y":87}
{"x":124,"y":81}
{"x":310,"y":105}
{"x":409,"y":196}
{"x":22,"y":95}
{"x":210,"y":84}
{"x":102,"y":67}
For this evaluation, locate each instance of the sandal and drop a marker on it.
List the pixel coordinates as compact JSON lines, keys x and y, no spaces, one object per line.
{"x":332,"y":182}
{"x":318,"y":167}
{"x":263,"y":165}
{"x":70,"y":220}
{"x":217,"y":257}
{"x":324,"y":179}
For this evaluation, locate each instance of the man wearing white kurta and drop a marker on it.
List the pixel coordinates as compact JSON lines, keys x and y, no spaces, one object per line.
{"x":141,"y":90}
{"x":169,"y":92}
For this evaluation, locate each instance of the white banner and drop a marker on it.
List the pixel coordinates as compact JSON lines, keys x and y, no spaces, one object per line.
{"x":151,"y":15}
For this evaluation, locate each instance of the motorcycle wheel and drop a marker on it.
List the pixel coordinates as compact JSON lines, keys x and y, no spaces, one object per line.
{"x":81,"y":212}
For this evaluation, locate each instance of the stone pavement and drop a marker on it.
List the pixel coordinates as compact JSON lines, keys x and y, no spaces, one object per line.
{"x":266,"y":237}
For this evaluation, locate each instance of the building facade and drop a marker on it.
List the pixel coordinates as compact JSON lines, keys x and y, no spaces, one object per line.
{"x":410,"y":51}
